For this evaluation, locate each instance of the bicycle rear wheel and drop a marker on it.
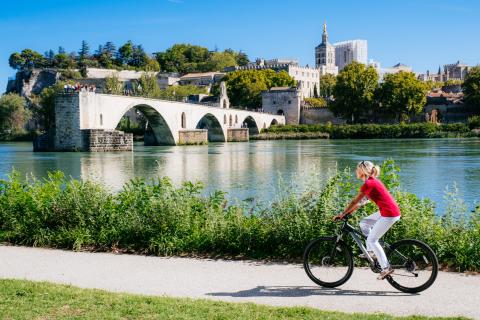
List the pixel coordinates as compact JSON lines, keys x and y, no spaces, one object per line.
{"x":327,"y":262}
{"x":415,"y":264}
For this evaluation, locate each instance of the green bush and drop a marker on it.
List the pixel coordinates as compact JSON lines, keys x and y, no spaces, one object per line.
{"x":367,"y":131}
{"x":474,"y":122}
{"x":159,"y":218}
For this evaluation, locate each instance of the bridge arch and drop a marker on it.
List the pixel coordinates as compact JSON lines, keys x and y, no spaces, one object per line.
{"x":215,"y":130}
{"x":274,"y":122}
{"x":250,"y":123}
{"x":161,"y":129}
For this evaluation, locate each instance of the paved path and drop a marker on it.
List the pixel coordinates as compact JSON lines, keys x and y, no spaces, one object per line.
{"x":238,"y":281}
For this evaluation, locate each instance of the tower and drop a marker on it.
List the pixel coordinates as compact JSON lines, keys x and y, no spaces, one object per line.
{"x":325,"y":55}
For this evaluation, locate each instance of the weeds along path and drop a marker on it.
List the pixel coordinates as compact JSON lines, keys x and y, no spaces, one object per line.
{"x":276,"y":284}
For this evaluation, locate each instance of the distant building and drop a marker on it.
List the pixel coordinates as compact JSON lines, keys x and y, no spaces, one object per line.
{"x":325,"y":55}
{"x":454,"y":71}
{"x":309,"y":77}
{"x":205,"y":79}
{"x":383,"y":71}
{"x":167,"y":79}
{"x":349,"y":51}
{"x":283,"y":100}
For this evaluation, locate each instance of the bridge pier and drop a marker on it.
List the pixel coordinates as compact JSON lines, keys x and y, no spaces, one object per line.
{"x":237,"y":135}
{"x":193,"y":137}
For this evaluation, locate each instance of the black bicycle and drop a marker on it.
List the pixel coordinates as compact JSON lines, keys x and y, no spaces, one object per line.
{"x":328,"y":261}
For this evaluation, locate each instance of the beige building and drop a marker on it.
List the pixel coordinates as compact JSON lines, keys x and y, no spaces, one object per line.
{"x":205,"y":79}
{"x":325,"y":55}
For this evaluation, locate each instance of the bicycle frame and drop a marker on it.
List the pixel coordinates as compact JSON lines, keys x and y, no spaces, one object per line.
{"x":359,"y":238}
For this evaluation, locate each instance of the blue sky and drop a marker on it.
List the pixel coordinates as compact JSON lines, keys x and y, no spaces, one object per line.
{"x":421,"y":33}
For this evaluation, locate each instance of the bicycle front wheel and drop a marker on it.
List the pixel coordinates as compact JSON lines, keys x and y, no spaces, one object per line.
{"x":327,"y":262}
{"x":415,"y":264}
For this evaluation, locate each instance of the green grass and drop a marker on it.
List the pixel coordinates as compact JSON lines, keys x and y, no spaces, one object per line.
{"x":21,"y":299}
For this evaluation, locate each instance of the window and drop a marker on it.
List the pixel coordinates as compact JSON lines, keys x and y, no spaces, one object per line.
{"x":236,"y":118}
{"x":289,"y":101}
{"x":224,"y":119}
{"x":184,"y":120}
{"x":230,"y":121}
{"x":101,"y":119}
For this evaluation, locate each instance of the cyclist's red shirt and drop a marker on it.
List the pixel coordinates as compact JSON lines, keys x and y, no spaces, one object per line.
{"x":378,"y":193}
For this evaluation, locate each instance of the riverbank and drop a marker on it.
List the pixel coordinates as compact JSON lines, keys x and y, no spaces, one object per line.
{"x":376,"y":131}
{"x":289,"y":136}
{"x":157,"y":218}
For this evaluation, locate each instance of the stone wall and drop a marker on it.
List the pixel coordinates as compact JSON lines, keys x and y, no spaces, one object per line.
{"x":237,"y":135}
{"x":317,"y":116}
{"x":98,"y":140}
{"x":193,"y":137}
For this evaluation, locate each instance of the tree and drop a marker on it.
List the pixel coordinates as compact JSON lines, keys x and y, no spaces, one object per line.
{"x":13,"y":114}
{"x":84,"y":52}
{"x":354,"y":91}
{"x":109,"y":48}
{"x":49,"y":56}
{"x":242,"y":59}
{"x":245,"y":87}
{"x":316,"y":102}
{"x":148,"y":86}
{"x":26,"y":60}
{"x":183,"y":58}
{"x":139,"y":58}
{"x":327,"y":83}
{"x":113,"y":85}
{"x":401,"y":95}
{"x":219,"y":61}
{"x":471,"y":88}
{"x":64,"y":61}
{"x":125,"y":53}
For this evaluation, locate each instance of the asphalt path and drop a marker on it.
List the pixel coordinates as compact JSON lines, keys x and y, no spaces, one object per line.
{"x":276,"y":284}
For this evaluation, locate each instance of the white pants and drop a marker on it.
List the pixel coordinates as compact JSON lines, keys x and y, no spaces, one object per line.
{"x":374,"y":227}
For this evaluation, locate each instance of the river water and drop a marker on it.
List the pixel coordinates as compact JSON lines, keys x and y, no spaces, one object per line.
{"x":258,"y":170}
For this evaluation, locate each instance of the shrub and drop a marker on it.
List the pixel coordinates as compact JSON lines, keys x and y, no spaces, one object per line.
{"x":159,"y":218}
{"x":366,"y":131}
{"x":474,"y":122}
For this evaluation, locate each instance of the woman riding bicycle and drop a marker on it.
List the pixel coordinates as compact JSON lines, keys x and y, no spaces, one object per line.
{"x":377,"y":224}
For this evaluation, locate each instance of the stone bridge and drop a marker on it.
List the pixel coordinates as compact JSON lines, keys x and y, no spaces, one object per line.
{"x":88,"y":121}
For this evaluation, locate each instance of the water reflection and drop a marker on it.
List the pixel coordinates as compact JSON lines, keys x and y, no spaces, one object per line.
{"x":256,"y":169}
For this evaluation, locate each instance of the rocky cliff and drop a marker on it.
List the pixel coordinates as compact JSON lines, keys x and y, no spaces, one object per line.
{"x":31,"y":82}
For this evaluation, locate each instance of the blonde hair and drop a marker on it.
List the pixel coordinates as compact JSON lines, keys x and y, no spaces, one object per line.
{"x":368,"y":169}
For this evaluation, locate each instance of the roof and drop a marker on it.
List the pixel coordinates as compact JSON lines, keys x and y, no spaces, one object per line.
{"x":201,"y":74}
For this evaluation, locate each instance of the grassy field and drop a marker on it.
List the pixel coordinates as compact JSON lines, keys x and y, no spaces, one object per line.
{"x":33,"y":300}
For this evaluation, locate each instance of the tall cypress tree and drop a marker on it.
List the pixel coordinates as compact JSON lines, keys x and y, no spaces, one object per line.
{"x":84,"y":52}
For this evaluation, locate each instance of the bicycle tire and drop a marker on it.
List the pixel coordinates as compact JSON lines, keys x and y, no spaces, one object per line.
{"x":340,"y":247}
{"x":430,"y":256}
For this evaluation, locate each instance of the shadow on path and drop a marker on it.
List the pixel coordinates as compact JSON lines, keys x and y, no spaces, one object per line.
{"x":295,"y":291}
